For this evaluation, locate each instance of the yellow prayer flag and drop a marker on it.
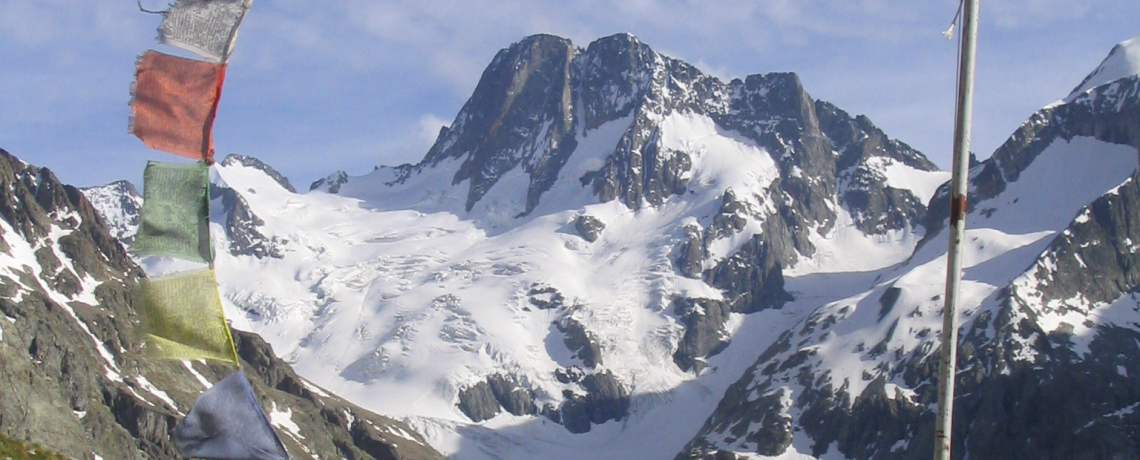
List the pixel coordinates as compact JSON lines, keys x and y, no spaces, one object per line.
{"x":182,"y":318}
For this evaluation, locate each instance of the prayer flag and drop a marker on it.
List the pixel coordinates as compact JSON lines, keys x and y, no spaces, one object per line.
{"x":182,"y":318}
{"x":173,"y":104}
{"x":227,"y":423}
{"x":175,"y":218}
{"x":207,"y":28}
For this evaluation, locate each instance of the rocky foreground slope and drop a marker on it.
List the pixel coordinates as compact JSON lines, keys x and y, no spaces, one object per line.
{"x":72,"y":377}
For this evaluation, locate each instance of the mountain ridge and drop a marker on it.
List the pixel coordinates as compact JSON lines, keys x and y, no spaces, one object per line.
{"x":712,"y":189}
{"x":1049,"y":207}
{"x":719,"y":286}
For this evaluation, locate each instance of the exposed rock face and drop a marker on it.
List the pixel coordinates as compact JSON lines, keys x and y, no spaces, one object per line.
{"x":330,"y":183}
{"x":605,"y":399}
{"x":580,"y":342}
{"x":589,"y":227}
{"x":595,"y":399}
{"x":1097,"y":258}
{"x":242,"y":227}
{"x":862,"y":186}
{"x":519,"y":116}
{"x":478,"y":402}
{"x":692,"y":253}
{"x":754,"y":277}
{"x":545,"y":297}
{"x":640,"y":171}
{"x":487,"y":398}
{"x":536,"y":97}
{"x":71,"y":365}
{"x":512,"y":396}
{"x":705,"y":334}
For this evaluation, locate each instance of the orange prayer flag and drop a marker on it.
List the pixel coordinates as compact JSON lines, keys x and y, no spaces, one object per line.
{"x":173,"y":104}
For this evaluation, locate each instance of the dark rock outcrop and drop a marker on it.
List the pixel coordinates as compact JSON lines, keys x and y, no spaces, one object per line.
{"x":690,"y":262}
{"x":545,"y":297}
{"x":488,"y":398}
{"x":512,"y":396}
{"x":478,"y":402}
{"x":589,"y":227}
{"x":753,"y":276}
{"x":580,"y":341}
{"x":243,"y":227}
{"x":1097,"y":258}
{"x":705,"y":333}
{"x":605,"y":399}
{"x":521,"y":115}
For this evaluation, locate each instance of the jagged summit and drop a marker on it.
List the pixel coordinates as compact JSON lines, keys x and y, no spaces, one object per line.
{"x":536,"y":114}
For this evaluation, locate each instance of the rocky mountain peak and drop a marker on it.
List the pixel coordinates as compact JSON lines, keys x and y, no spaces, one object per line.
{"x":520,"y":115}
{"x":251,"y":162}
{"x":541,"y":97}
{"x":332,"y":182}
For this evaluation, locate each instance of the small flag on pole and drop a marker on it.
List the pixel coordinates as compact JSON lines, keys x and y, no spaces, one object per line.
{"x":182,"y":318}
{"x":173,"y":104}
{"x":207,"y":28}
{"x":175,"y":217}
{"x":227,"y":423}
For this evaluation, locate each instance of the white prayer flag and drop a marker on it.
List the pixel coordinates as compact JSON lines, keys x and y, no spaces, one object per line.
{"x":207,"y":28}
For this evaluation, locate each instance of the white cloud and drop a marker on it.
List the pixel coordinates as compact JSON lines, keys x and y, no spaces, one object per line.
{"x":430,"y":125}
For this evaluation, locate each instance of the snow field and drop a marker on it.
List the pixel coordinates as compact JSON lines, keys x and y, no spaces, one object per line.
{"x":397,"y":298}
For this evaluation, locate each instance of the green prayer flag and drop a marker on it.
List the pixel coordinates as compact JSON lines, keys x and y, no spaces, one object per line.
{"x":182,"y":318}
{"x":175,"y":218}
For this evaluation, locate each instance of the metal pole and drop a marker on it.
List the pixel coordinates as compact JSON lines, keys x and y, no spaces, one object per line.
{"x":943,"y":427}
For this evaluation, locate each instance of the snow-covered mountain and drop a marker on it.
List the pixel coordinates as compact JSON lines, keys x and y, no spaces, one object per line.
{"x":610,"y":252}
{"x":1049,"y":321}
{"x":119,"y":203}
{"x":699,"y":194}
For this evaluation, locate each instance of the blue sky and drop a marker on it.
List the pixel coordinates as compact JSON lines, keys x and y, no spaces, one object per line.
{"x":318,"y":86}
